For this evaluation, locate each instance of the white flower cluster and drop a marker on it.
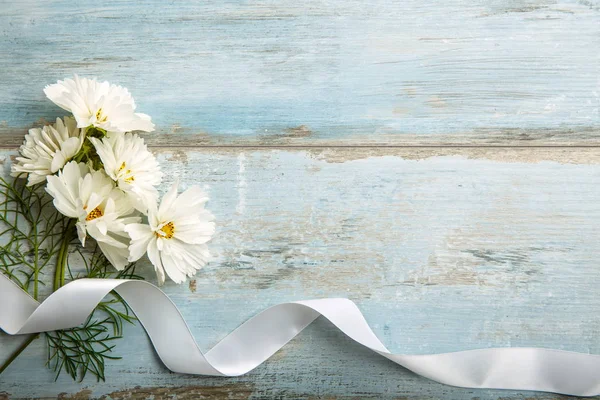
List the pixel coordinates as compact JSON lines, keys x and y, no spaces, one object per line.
{"x":103,"y":177}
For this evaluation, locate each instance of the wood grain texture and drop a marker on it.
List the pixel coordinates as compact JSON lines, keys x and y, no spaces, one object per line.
{"x":442,"y":253}
{"x":490,"y":71}
{"x":435,"y":161}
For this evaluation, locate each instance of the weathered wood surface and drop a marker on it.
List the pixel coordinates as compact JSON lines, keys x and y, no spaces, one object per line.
{"x":435,"y":162}
{"x":344,"y":69}
{"x":441,"y":254}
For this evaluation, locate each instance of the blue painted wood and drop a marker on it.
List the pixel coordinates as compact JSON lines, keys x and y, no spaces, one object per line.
{"x":443,"y":249}
{"x":440,"y":254}
{"x":341,"y":68}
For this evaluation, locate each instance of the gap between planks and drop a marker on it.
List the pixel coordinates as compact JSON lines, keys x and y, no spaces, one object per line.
{"x":574,"y":154}
{"x":371,"y":146}
{"x":350,"y":146}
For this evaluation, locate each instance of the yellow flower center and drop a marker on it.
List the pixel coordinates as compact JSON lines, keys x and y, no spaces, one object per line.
{"x":99,"y":116}
{"x":95,"y":213}
{"x":128,"y":176}
{"x":167,"y":231}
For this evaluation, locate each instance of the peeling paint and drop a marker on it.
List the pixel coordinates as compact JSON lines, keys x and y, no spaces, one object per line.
{"x":450,"y":251}
{"x":584,"y":156}
{"x":385,"y":137}
{"x":176,"y":128}
{"x":505,"y":155}
{"x":241,"y":184}
{"x":176,"y":155}
{"x":84,"y":394}
{"x":340,"y":140}
{"x":299,"y":131}
{"x":436,"y":102}
{"x":228,"y":391}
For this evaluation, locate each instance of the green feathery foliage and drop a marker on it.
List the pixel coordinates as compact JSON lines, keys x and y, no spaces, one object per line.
{"x":84,"y":350}
{"x":33,"y":235}
{"x":31,"y":232}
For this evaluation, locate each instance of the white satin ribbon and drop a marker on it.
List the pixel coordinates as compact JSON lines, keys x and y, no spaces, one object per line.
{"x":261,"y":336}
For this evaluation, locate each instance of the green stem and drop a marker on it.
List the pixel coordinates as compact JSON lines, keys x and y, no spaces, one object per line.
{"x":63,"y":255}
{"x":14,"y":355}
{"x":36,"y":268}
{"x":36,"y":276}
{"x":59,"y":280}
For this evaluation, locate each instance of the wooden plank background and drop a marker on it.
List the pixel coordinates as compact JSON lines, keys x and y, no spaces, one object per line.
{"x":435,"y":162}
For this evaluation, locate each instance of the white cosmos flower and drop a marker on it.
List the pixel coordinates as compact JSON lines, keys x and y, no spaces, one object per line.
{"x":129,"y":163}
{"x":47,"y":149}
{"x":100,"y":104}
{"x":175,"y":236}
{"x":101,"y":210}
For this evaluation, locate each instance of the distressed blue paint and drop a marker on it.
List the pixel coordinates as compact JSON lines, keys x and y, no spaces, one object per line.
{"x":338,"y":67}
{"x":440,"y":254}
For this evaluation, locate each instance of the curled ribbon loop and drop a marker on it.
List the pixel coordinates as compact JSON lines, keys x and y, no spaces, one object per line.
{"x":261,"y":336}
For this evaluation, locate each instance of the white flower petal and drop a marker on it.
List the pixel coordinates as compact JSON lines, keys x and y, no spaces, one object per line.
{"x":103,"y":149}
{"x":173,"y":267}
{"x":139,"y":122}
{"x":195,"y":256}
{"x":102,"y":227}
{"x":121,"y":202}
{"x":58,"y":160}
{"x":81,"y":233}
{"x":197,"y":233}
{"x":47,"y":150}
{"x":101,"y":210}
{"x":117,"y":256}
{"x":193,"y":197}
{"x":166,"y":206}
{"x":101,"y":104}
{"x":155,"y":259}
{"x":135,"y":170}
{"x":64,"y":188}
{"x":175,"y":246}
{"x":141,"y":235}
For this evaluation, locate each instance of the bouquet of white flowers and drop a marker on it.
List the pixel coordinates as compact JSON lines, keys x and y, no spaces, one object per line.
{"x":102,"y":181}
